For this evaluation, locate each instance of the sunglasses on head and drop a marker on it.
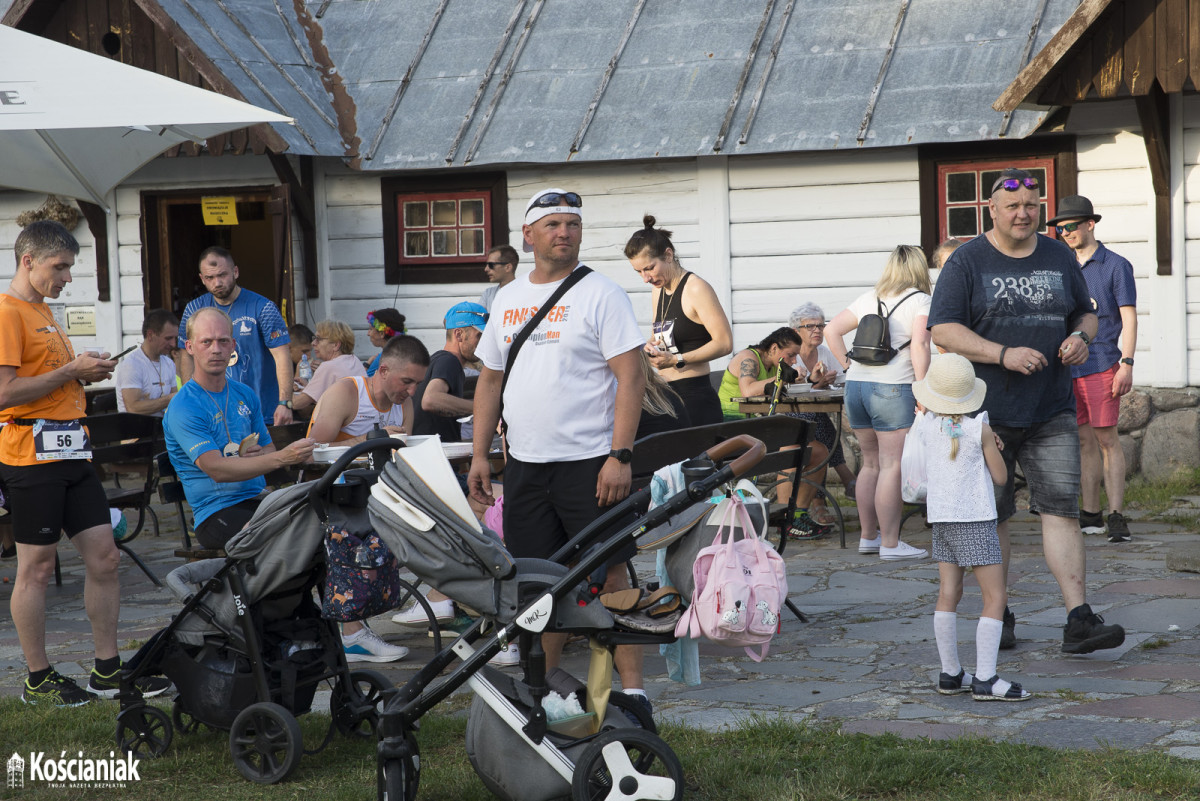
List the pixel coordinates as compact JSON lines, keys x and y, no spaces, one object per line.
{"x":552,"y":199}
{"x":1013,"y":184}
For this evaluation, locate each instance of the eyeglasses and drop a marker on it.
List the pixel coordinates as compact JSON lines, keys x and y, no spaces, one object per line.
{"x":1067,"y":228}
{"x":552,"y":199}
{"x":1013,"y":184}
{"x":814,"y":326}
{"x":492,"y":265}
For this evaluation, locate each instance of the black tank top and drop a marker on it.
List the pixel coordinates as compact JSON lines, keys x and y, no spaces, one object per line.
{"x":683,"y":333}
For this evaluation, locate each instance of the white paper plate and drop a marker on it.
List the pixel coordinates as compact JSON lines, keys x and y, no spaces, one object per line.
{"x":328,"y":454}
{"x":799,"y":389}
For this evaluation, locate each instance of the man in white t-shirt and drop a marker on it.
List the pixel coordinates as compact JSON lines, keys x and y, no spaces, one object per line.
{"x":146,"y":377}
{"x":571,"y":404}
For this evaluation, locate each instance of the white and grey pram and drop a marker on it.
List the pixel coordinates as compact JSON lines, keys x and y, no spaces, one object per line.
{"x":419,"y":512}
{"x":249,"y":648}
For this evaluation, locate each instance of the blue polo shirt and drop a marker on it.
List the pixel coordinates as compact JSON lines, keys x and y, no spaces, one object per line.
{"x":1110,"y":283}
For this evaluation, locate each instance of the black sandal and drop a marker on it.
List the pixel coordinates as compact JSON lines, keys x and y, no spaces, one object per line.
{"x":983,"y":691}
{"x":953,"y":685}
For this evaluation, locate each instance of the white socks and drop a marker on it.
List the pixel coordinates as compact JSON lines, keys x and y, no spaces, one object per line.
{"x":945,"y":629}
{"x":987,"y":647}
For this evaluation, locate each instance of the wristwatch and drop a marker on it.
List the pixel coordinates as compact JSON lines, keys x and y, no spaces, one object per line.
{"x":680,"y":363}
{"x":286,"y":403}
{"x":1086,"y":339}
{"x":622,"y":455}
{"x":1128,"y":361}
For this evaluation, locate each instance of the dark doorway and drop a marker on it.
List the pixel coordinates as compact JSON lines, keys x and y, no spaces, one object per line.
{"x":174,"y":234}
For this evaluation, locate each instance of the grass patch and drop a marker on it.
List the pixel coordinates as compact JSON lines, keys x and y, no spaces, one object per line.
{"x":1070,"y":695}
{"x":1158,"y":642}
{"x":1158,"y":496}
{"x":767,"y":760}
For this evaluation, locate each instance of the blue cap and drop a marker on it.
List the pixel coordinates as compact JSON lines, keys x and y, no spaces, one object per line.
{"x":466,"y":315}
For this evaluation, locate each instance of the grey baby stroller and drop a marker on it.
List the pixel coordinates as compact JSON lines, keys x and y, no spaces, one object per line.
{"x":518,"y":752}
{"x":249,"y":648}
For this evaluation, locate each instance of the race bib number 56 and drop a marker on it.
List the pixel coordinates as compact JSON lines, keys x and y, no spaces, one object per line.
{"x":60,"y":439}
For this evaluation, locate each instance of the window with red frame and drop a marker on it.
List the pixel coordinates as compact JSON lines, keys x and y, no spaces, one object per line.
{"x":443,"y":228}
{"x":963,"y":194}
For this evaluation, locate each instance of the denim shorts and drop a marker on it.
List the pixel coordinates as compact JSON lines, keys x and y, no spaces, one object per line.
{"x":1049,"y":457}
{"x":882,"y":407}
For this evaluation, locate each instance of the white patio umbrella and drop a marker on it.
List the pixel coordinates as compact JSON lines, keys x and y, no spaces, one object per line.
{"x":76,"y":124}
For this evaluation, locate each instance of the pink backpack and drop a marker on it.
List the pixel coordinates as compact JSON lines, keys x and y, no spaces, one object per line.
{"x":740,"y":587}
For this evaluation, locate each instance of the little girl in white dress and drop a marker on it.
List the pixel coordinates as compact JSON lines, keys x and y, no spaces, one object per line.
{"x":962,"y":461}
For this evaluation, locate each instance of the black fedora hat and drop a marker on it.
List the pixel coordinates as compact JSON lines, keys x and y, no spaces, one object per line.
{"x":1074,"y":207}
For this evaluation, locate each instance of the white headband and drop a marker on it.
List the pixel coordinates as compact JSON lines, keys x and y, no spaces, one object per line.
{"x":534,"y":213}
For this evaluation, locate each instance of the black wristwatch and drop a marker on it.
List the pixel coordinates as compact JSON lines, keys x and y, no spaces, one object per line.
{"x":1128,"y":361}
{"x":622,"y":455}
{"x":1086,"y":339}
{"x":680,"y":363}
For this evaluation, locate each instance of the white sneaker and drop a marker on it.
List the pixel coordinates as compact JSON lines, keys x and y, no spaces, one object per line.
{"x":365,"y":645}
{"x":870,"y":546}
{"x":508,"y":657}
{"x":443,"y":612}
{"x":902,"y":551}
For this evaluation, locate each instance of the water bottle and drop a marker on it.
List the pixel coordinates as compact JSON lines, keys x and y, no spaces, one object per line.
{"x":304,"y":373}
{"x":374,"y":461}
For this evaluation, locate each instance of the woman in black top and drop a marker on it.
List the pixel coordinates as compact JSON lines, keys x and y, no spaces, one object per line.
{"x":690,"y":327}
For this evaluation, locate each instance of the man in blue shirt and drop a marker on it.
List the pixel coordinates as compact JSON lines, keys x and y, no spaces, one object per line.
{"x":216,"y":438}
{"x":262,"y":356}
{"x":1107,"y":374}
{"x":1015,"y":304}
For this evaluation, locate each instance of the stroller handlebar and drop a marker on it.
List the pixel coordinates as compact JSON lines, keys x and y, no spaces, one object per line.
{"x":323,"y":484}
{"x":755,"y":450}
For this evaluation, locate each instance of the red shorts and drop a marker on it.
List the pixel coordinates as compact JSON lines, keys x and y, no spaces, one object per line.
{"x":1094,"y":404}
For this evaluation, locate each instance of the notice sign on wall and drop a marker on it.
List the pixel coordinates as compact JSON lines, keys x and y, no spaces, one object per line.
{"x":81,"y":321}
{"x":219,"y":210}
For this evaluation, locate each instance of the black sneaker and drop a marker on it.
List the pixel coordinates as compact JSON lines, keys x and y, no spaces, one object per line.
{"x":109,"y":686}
{"x":56,"y":690}
{"x":641,"y":701}
{"x":1008,"y":633}
{"x":804,"y":527}
{"x":1118,"y":529}
{"x":1086,"y":632}
{"x":1091,"y":522}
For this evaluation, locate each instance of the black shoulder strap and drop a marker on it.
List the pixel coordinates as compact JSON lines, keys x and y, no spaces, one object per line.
{"x":893,"y":311}
{"x":519,"y":339}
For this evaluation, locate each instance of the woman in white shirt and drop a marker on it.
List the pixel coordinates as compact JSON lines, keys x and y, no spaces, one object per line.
{"x":879,"y":399}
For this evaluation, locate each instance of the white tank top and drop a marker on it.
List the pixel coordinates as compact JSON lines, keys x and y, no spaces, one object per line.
{"x":960,"y":490}
{"x":368,"y":415}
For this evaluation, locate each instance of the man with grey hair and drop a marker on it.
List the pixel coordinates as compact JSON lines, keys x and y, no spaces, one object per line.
{"x":44,"y":455}
{"x":571,"y":405}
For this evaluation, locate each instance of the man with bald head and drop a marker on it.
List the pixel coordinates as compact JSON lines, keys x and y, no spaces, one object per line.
{"x":1015,"y":303}
{"x":216,"y":438}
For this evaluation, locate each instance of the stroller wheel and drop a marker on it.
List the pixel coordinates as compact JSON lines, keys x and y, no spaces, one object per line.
{"x":399,"y":776}
{"x":265,"y":743}
{"x":627,"y":763}
{"x":355,"y":706}
{"x":183,"y":720}
{"x":144,"y":731}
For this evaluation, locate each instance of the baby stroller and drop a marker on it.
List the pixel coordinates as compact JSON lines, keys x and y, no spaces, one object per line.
{"x":513,"y":746}
{"x":249,"y":648}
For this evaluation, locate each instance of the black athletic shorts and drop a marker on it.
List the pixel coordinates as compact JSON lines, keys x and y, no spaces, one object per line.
{"x":546,"y":504}
{"x":50,"y":498}
{"x":219,"y":527}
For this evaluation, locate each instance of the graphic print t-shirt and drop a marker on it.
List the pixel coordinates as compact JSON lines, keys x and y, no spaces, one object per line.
{"x":561,"y":397}
{"x":257,"y":327}
{"x":1030,"y":302}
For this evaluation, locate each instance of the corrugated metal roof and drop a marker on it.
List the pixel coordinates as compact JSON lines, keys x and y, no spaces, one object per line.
{"x":671,"y":89}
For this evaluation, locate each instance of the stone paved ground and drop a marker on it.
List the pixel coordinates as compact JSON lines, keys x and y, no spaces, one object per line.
{"x":865,"y":659}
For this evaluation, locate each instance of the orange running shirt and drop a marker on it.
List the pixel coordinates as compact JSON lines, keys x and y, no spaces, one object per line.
{"x":32,"y":341}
